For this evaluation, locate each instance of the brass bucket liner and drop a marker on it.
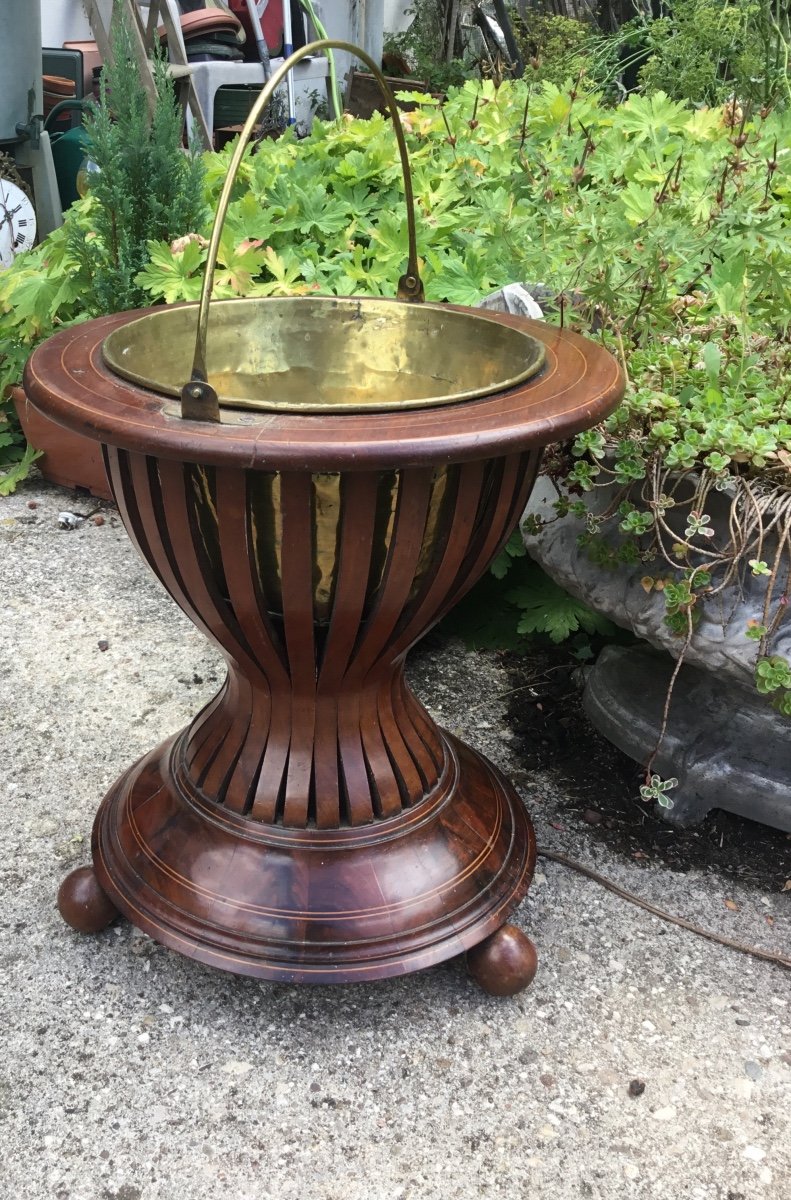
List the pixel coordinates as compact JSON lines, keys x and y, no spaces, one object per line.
{"x":314,"y":354}
{"x":327,"y":503}
{"x":320,"y":354}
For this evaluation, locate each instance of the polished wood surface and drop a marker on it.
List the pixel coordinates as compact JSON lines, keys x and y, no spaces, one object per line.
{"x":83,"y":903}
{"x":316,"y":725}
{"x":313,"y":823}
{"x":307,"y":905}
{"x":503,"y":963}
{"x":579,"y":386}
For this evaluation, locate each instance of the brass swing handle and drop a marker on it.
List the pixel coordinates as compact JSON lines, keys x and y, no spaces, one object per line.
{"x":199,"y":400}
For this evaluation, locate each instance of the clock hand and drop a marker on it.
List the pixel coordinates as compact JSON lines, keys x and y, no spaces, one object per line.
{"x":6,"y":214}
{"x":4,"y":203}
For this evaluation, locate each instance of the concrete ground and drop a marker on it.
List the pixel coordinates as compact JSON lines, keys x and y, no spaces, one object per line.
{"x":130,"y":1073}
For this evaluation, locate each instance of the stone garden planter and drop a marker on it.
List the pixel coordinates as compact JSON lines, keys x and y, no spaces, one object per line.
{"x":724,"y":743}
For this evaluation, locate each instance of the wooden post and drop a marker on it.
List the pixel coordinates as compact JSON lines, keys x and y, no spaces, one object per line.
{"x":102,"y":32}
{"x":142,"y":39}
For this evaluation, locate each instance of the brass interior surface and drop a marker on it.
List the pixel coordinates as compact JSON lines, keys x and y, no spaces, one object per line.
{"x":265,"y":519}
{"x":319,"y":354}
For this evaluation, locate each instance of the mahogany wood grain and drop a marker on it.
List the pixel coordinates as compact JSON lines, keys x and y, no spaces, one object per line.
{"x":313,"y":822}
{"x":503,"y":963}
{"x":580,"y":384}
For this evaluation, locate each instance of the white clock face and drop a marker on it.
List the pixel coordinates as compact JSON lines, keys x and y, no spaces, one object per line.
{"x":17,"y":222}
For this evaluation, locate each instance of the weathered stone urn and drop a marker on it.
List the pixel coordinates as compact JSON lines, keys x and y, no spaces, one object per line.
{"x":724,"y":742}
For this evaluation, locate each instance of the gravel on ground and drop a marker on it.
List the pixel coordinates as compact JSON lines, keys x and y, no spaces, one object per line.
{"x":643,"y":1062}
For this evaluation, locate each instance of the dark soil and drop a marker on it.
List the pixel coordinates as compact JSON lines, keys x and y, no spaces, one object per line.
{"x":599,"y":786}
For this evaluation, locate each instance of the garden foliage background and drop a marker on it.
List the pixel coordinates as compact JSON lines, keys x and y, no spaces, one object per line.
{"x":660,"y":225}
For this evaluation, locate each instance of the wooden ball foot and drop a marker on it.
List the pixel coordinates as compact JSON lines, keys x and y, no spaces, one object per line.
{"x":83,"y":904}
{"x":504,"y":963}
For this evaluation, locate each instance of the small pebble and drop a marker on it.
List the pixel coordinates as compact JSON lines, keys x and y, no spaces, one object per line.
{"x":630,"y":1171}
{"x":32,"y":503}
{"x":742,"y":1020}
{"x":754,"y":1153}
{"x":236,"y":1067}
{"x":664,"y":1114}
{"x":592,"y":817}
{"x":752,"y":1070}
{"x":103,"y":644}
{"x":98,"y":520}
{"x":637,"y":1087}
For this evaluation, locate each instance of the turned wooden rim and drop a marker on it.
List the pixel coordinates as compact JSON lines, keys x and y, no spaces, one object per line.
{"x":67,"y":380}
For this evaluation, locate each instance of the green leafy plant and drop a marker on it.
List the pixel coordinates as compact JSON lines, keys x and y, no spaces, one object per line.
{"x":709,"y":51}
{"x":699,"y":423}
{"x":559,"y":49}
{"x":420,"y":47}
{"x":773,"y":678}
{"x":547,"y":608}
{"x":145,"y":186}
{"x":648,"y":210}
{"x":657,"y":788}
{"x":504,"y":616}
{"x":542,"y":606}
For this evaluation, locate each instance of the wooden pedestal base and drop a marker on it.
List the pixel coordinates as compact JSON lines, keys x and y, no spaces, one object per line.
{"x":83,"y":904}
{"x":313,"y":823}
{"x":307,"y":905}
{"x":504,"y":963}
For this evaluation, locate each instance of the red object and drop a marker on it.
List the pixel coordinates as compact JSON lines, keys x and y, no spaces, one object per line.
{"x":207,"y":20}
{"x":70,"y":459}
{"x":271,"y":22}
{"x":55,"y":89}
